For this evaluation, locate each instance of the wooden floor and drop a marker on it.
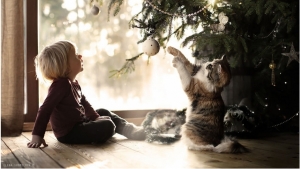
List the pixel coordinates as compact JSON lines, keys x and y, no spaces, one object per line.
{"x":279,"y":150}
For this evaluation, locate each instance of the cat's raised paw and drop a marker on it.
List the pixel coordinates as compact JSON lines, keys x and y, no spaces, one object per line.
{"x":176,"y":61}
{"x":173,"y":51}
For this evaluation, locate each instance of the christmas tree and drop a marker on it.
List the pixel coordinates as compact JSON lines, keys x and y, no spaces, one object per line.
{"x":261,"y":36}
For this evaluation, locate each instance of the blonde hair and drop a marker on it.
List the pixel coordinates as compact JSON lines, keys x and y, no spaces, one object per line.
{"x":52,"y":62}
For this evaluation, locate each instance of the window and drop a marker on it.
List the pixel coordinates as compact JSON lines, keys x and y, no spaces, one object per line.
{"x":105,"y":46}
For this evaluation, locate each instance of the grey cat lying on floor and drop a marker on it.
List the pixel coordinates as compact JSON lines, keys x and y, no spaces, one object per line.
{"x":163,"y":126}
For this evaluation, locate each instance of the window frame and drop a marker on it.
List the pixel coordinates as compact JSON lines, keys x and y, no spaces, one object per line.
{"x":31,"y":50}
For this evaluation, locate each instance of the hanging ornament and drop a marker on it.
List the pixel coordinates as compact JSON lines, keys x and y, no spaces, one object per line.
{"x":95,"y":10}
{"x":272,"y":66}
{"x":150,"y":46}
{"x":223,"y":19}
{"x":292,"y":55}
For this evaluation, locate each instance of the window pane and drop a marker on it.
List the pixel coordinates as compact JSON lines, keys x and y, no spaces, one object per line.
{"x":105,"y":45}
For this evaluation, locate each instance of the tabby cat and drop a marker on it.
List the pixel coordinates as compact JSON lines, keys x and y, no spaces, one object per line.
{"x":203,"y":84}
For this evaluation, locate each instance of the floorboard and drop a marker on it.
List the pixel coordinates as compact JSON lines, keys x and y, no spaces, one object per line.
{"x":112,"y":155}
{"x":8,"y":160}
{"x":177,"y":155}
{"x":280,"y":150}
{"x":63,"y":155}
{"x":29,"y":157}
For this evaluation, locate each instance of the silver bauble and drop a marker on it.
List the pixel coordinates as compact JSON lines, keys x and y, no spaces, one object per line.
{"x":150,"y":47}
{"x":95,"y":10}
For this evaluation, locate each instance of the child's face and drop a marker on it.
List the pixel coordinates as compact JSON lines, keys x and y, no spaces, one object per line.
{"x":75,"y":63}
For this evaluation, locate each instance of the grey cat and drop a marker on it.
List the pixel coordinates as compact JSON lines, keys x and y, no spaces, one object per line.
{"x":163,"y":126}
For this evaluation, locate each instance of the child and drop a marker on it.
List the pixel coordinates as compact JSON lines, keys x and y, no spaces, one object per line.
{"x":72,"y":118}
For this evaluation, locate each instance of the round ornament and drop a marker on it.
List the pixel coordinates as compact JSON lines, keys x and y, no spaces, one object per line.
{"x":95,"y":10}
{"x":150,"y":47}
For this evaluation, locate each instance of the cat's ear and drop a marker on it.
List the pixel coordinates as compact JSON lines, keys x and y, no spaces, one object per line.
{"x":224,"y":59}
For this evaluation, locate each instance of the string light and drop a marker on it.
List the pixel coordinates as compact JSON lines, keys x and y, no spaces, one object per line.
{"x":285,"y":120}
{"x":274,"y":31}
{"x":175,"y":14}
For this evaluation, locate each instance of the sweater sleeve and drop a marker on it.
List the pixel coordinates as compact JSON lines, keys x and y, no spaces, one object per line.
{"x":90,"y":112}
{"x":56,"y":93}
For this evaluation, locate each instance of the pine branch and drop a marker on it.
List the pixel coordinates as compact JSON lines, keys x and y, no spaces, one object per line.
{"x":127,"y":68}
{"x":116,"y":4}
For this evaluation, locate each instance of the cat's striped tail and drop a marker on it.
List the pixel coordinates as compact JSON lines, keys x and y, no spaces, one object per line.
{"x":230,"y":145}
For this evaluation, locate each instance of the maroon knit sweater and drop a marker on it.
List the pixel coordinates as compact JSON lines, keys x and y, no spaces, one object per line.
{"x":64,"y":106}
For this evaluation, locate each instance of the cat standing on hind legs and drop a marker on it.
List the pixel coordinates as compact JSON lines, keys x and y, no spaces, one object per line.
{"x":203,"y":84}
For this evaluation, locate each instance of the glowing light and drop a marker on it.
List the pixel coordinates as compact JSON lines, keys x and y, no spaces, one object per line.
{"x":46,"y":10}
{"x":145,"y":57}
{"x":81,"y":3}
{"x":71,"y":29}
{"x":122,"y":16}
{"x":110,"y":49}
{"x":211,"y":2}
{"x":69,"y":5}
{"x":136,"y":6}
{"x":72,"y":16}
{"x":84,"y":26}
{"x":81,"y":13}
{"x":116,"y":21}
{"x":88,"y":53}
{"x":129,"y":33}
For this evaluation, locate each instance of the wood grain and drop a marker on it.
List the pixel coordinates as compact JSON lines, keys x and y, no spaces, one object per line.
{"x":272,"y":151}
{"x":63,"y":155}
{"x":29,"y":157}
{"x":8,"y":160}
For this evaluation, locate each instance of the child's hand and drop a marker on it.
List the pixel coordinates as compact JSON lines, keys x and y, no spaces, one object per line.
{"x":36,"y":142}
